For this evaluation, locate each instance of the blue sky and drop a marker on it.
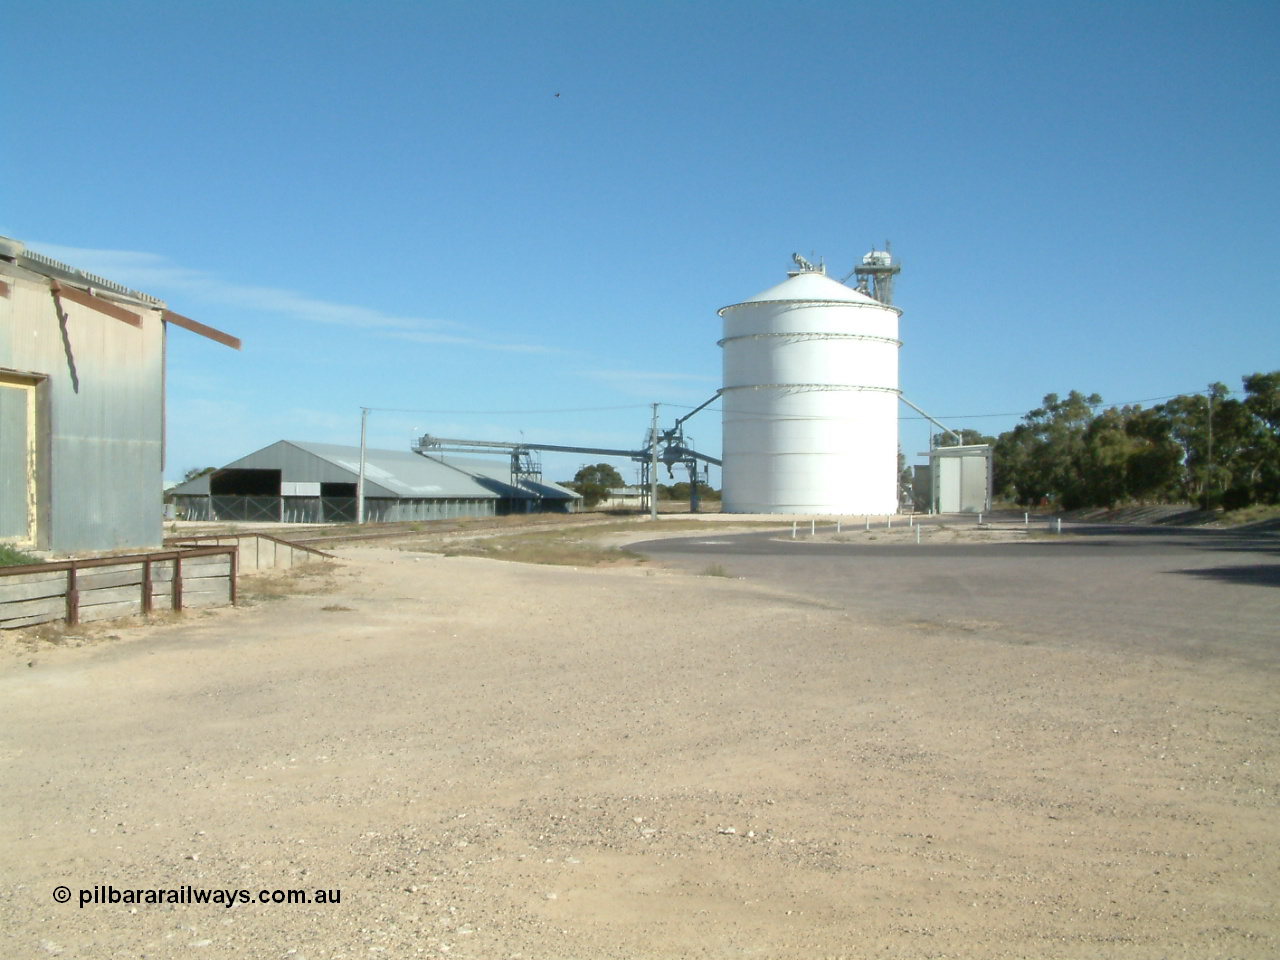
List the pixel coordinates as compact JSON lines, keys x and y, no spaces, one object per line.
{"x":388,"y":202}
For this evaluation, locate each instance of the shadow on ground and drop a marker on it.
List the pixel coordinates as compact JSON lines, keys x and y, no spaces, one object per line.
{"x":1196,"y":538}
{"x":1257,"y":575}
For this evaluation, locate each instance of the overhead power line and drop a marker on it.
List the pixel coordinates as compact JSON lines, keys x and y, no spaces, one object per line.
{"x":493,"y":413}
{"x":965,"y":416}
{"x":686,"y":406}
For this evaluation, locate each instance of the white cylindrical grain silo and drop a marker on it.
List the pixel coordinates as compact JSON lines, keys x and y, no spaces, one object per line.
{"x":810,"y":400}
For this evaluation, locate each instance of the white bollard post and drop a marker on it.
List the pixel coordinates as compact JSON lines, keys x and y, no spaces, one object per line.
{"x":1026,"y":519}
{"x":888,"y":523}
{"x":917,"y":533}
{"x":867,"y":517}
{"x":837,"y":526}
{"x":793,"y":529}
{"x":1059,"y":524}
{"x":813,"y":527}
{"x":979,"y":519}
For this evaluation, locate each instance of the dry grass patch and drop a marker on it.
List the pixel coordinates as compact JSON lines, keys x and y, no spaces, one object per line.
{"x":562,"y":548}
{"x":1258,"y":513}
{"x":28,"y":641}
{"x":571,"y":544}
{"x":309,"y":579}
{"x":1042,"y":534}
{"x":59,"y":633}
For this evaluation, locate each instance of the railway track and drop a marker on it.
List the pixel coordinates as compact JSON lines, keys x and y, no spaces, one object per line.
{"x":433,"y":531}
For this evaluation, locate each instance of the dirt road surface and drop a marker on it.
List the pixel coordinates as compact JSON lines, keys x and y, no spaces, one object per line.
{"x":493,"y":760}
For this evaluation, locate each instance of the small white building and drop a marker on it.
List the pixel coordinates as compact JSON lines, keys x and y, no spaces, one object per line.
{"x":959,"y":479}
{"x":622,"y":498}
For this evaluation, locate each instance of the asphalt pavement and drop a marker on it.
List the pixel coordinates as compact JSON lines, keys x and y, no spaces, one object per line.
{"x":1193,"y":593}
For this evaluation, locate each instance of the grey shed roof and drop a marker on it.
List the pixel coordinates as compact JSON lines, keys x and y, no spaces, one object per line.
{"x":198,"y":486}
{"x":497,"y":475}
{"x":388,"y":473}
{"x":400,"y":472}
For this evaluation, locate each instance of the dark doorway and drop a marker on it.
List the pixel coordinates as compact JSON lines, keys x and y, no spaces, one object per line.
{"x":245,"y":483}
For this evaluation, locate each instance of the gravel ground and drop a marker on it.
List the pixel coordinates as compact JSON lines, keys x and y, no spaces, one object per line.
{"x":491,"y":760}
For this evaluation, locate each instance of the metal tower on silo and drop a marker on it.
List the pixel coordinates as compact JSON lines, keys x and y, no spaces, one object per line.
{"x":875,"y":274}
{"x":810,"y":395}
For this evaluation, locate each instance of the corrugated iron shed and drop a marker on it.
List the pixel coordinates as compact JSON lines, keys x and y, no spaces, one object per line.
{"x":388,"y":473}
{"x":82,"y":395}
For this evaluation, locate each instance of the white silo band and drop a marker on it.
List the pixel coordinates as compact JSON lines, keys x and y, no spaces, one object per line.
{"x":804,"y":337}
{"x":809,"y":386}
{"x":809,"y":303}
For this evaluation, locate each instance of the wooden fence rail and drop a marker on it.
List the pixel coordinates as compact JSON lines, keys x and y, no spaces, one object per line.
{"x":80,"y":591}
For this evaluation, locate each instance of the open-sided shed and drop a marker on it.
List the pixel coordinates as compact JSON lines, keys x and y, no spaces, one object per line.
{"x":295,"y":481}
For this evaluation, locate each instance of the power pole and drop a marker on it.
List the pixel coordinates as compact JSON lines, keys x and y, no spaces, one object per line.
{"x":364,"y":422}
{"x":653,"y":466}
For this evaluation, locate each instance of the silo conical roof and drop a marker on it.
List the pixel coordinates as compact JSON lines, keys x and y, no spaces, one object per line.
{"x":812,"y":286}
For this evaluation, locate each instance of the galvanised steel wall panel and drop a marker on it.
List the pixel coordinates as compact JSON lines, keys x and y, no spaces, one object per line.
{"x":312,"y":510}
{"x":105,"y":418}
{"x":973,"y":484}
{"x":401,"y":510}
{"x":949,"y":486}
{"x":962,"y":484}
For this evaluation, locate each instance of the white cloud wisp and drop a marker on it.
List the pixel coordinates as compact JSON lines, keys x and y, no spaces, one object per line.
{"x":151,"y":271}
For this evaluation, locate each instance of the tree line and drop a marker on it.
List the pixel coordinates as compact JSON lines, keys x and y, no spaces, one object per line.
{"x":1216,"y":449}
{"x":596,"y":480}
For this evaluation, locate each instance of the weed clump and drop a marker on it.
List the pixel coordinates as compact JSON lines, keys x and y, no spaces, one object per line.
{"x":311,"y":578}
{"x":13,"y":557}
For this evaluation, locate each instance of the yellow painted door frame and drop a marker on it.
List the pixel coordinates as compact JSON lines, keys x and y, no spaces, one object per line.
{"x":28,"y":388}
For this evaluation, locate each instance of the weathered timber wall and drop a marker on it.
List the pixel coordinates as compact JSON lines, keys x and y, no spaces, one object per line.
{"x":81,"y":591}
